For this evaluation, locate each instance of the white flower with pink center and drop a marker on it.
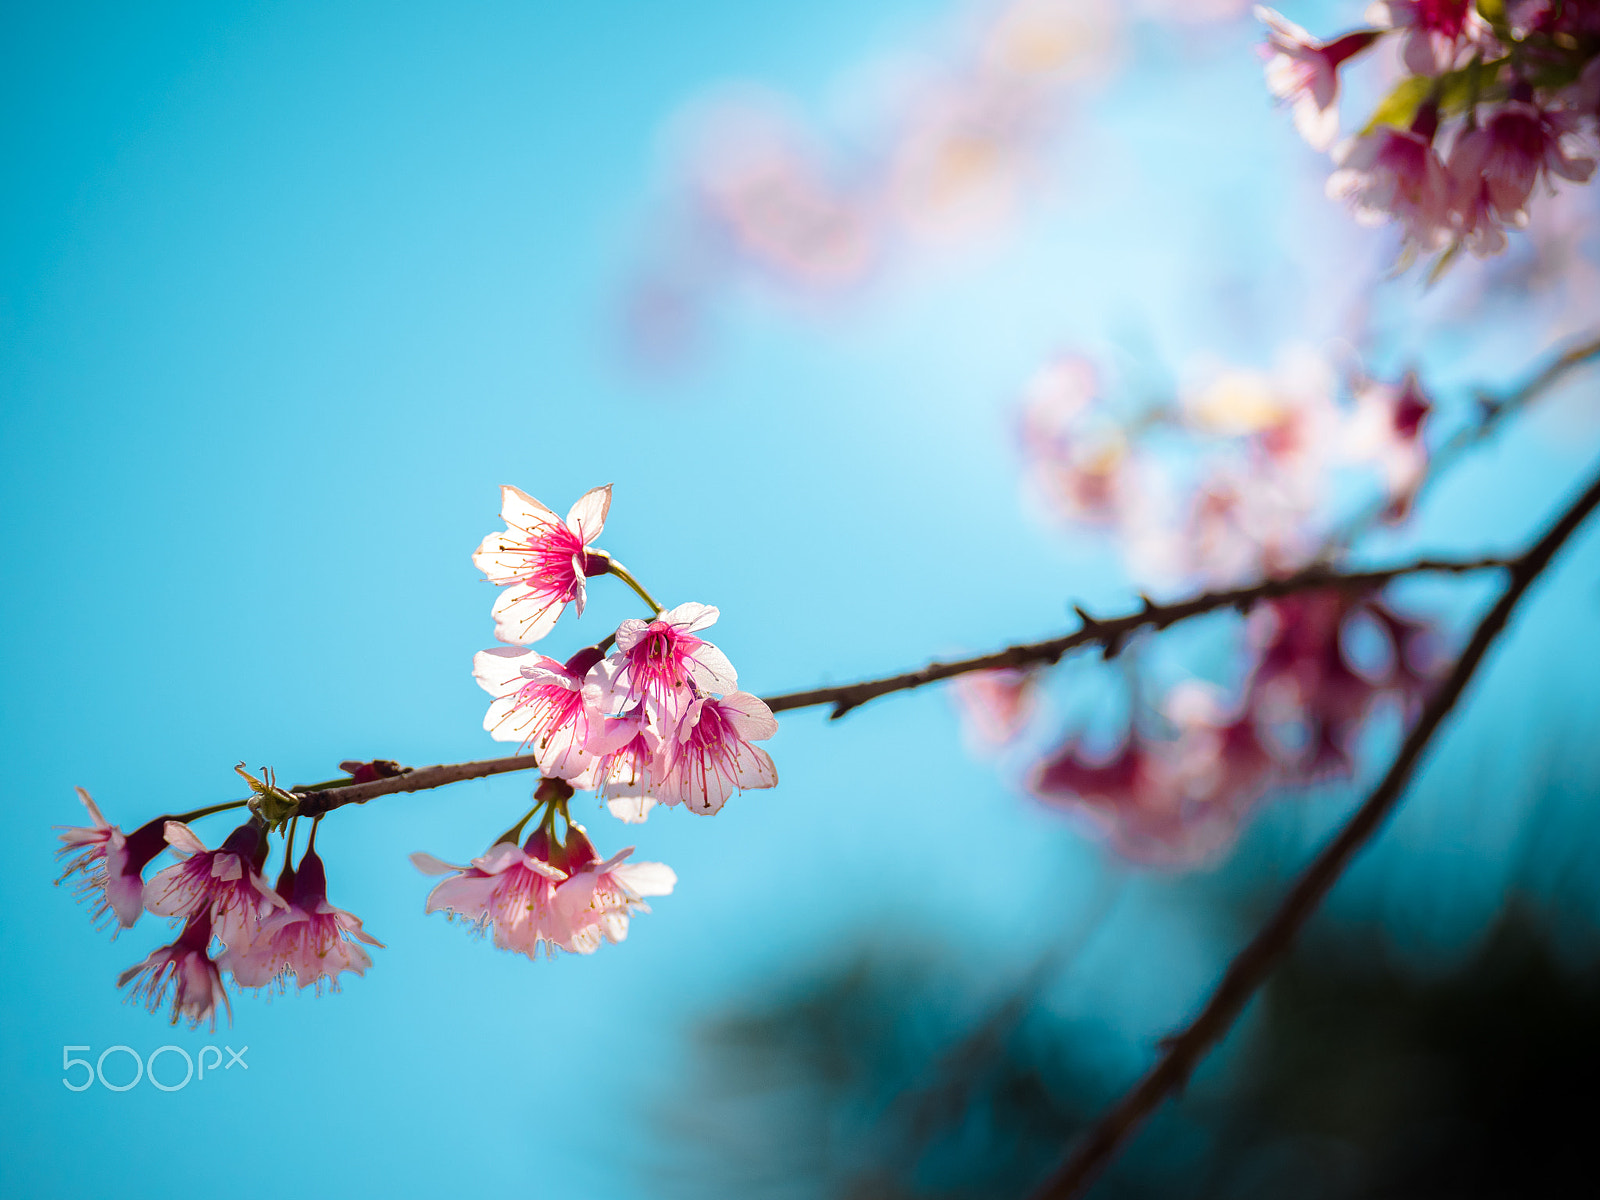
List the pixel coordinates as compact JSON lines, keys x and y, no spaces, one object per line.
{"x":110,"y":862}
{"x":541,"y":703}
{"x":1304,"y":74}
{"x":663,"y":664}
{"x":510,"y":888}
{"x":1396,"y":174}
{"x":185,"y":967}
{"x":1441,"y":35}
{"x":310,"y":939}
{"x":628,"y":750}
{"x":598,"y":897}
{"x":1496,"y":166}
{"x":541,"y":561}
{"x":709,"y":754}
{"x":224,"y":883}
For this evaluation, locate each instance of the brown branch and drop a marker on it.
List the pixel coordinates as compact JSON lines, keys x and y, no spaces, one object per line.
{"x":1250,"y":968}
{"x":1111,"y":633}
{"x":1108,"y":634}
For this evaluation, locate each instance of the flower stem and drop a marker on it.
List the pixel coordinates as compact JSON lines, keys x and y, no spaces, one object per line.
{"x":196,"y":814}
{"x":621,"y":572}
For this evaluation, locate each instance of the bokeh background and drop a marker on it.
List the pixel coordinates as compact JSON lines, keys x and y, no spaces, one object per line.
{"x":288,"y":290}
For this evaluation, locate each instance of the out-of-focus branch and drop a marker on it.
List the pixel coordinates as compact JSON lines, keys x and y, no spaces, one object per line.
{"x":1249,"y":969}
{"x":1110,"y":633}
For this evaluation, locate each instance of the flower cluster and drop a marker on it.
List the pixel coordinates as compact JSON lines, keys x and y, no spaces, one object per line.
{"x":1175,"y":794}
{"x":546,"y":892}
{"x":262,"y":935}
{"x":1230,"y":480}
{"x":650,"y":715}
{"x":1496,"y":98}
{"x":658,"y":719}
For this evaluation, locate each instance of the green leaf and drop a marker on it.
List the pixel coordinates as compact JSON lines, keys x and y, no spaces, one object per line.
{"x":1399,"y":108}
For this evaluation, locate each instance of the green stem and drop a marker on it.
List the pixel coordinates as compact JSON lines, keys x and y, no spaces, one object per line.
{"x":621,"y":572}
{"x":196,"y":814}
{"x":514,"y":834}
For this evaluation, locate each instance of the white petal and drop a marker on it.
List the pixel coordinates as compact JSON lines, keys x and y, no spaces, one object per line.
{"x":749,"y":716}
{"x":522,"y":615}
{"x":588,"y":516}
{"x":429,"y":865}
{"x":691,"y":616}
{"x":648,"y":878}
{"x":498,"y":670}
{"x":521,"y":511}
{"x":711,"y":670}
{"x":182,"y":839}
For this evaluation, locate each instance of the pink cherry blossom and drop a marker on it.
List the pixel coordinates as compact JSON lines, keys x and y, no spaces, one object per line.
{"x":1441,"y":35}
{"x":184,"y":966}
{"x":541,"y":561}
{"x":598,"y":897}
{"x":1495,"y":167}
{"x":542,"y":704}
{"x":226,"y":883}
{"x":111,"y":863}
{"x":1304,"y":74}
{"x":1175,"y":803}
{"x":1396,"y":174}
{"x":1386,"y":431}
{"x":709,"y":753}
{"x":629,"y":749}
{"x":662,"y":663}
{"x":310,"y":939}
{"x":510,"y":888}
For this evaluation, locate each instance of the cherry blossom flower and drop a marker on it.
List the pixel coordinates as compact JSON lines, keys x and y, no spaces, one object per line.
{"x":1441,"y":35}
{"x":709,"y":754}
{"x":1386,"y":430}
{"x":542,"y":704}
{"x":1396,"y":174}
{"x":628,"y":749}
{"x":1176,"y":803}
{"x":310,"y":939}
{"x":185,"y":967}
{"x":1304,"y":74}
{"x":510,"y":888}
{"x":598,"y":897}
{"x":1495,"y":167}
{"x":541,"y":561}
{"x":111,"y":863}
{"x":226,"y":883}
{"x":662,"y":663}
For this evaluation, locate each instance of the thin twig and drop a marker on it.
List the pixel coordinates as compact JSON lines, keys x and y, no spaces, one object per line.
{"x":1250,"y":968}
{"x":1110,"y":633}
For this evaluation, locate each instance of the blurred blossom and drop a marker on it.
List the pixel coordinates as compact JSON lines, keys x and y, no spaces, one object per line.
{"x":1170,"y":801}
{"x":995,"y":706}
{"x":955,"y":152}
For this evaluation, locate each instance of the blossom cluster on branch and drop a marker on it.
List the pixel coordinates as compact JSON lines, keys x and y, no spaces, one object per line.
{"x":1499,"y":96}
{"x":658,"y":719}
{"x":1234,"y":480}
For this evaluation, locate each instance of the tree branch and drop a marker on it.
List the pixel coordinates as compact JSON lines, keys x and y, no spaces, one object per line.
{"x":1109,"y":634}
{"x":1250,"y":968}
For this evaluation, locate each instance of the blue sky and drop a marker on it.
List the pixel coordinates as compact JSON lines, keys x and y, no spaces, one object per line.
{"x":289,"y":290}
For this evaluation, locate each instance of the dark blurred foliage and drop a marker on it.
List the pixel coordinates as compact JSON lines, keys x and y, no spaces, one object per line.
{"x":1356,"y":1074}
